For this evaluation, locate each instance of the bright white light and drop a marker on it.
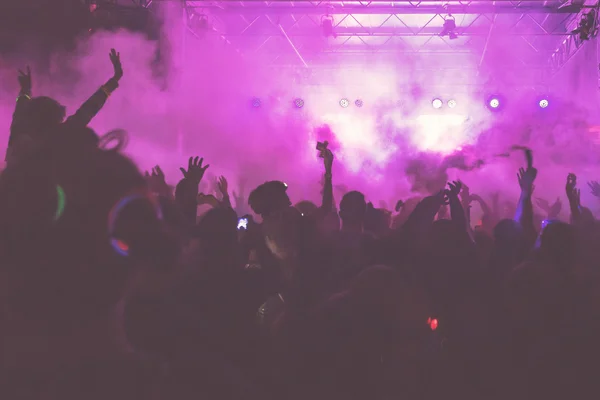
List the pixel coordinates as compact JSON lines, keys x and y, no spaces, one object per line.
{"x":437,"y":103}
{"x":440,"y":133}
{"x":344,"y":103}
{"x":360,"y":141}
{"x":543,"y":103}
{"x":494,"y":103}
{"x":451,"y":103}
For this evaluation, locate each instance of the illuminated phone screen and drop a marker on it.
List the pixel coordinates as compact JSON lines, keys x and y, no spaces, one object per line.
{"x":242,"y":223}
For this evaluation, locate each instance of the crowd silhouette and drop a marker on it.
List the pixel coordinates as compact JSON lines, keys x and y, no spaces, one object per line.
{"x":112,"y":287}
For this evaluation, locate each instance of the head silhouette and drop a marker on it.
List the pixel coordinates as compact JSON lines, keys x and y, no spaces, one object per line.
{"x":268,"y":198}
{"x":44,"y":113}
{"x":558,"y":242}
{"x":353,"y":208}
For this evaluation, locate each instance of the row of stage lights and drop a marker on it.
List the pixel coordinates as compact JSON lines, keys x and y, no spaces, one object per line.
{"x":494,"y":103}
{"x":299,"y":103}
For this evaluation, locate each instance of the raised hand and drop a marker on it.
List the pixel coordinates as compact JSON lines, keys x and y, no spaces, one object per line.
{"x":595,"y":188}
{"x":526,"y":178}
{"x":571,"y":184}
{"x":25,"y":80}
{"x":543,"y":204}
{"x":156,"y":181}
{"x":223,"y":186}
{"x":454,"y":188}
{"x":195,"y":171}
{"x":115,"y":59}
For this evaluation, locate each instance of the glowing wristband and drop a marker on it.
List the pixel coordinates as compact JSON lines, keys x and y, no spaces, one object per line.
{"x":28,"y":97}
{"x":121,"y":247}
{"x":61,"y":201}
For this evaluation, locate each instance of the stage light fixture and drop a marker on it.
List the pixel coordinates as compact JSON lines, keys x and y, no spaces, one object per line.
{"x":449,"y":27}
{"x":358,"y":103}
{"x":327,"y":26}
{"x":344,"y":103}
{"x":544,"y":103}
{"x":298,"y":102}
{"x":587,"y":27}
{"x":256,"y":102}
{"x":437,"y":103}
{"x":451,"y":103}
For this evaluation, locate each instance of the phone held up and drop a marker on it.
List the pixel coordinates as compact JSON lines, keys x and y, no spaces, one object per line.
{"x":321,"y":147}
{"x":242,"y":224}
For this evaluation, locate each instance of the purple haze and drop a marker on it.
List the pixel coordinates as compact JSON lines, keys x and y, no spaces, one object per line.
{"x":394,"y":133}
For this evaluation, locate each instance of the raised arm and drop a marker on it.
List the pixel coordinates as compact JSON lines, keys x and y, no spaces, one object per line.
{"x":574,"y":196}
{"x":465,"y":200}
{"x":186,"y":192}
{"x":327,"y":202}
{"x":524,"y":214}
{"x":240,"y":198}
{"x":456,"y":209}
{"x":94,"y":104}
{"x":224,"y":189}
{"x":424,"y":213}
{"x":19,"y":116}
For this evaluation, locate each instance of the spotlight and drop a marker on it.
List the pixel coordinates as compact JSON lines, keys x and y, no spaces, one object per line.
{"x":451,"y":103}
{"x":543,"y":103}
{"x":344,"y":103}
{"x":299,"y":103}
{"x":358,"y":103}
{"x":256,"y":102}
{"x":437,"y":103}
{"x":495,"y":103}
{"x":449,"y":27}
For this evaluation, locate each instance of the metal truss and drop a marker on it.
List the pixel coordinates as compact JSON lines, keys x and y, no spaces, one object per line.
{"x":283,"y":33}
{"x":387,"y":7}
{"x":570,"y":44}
